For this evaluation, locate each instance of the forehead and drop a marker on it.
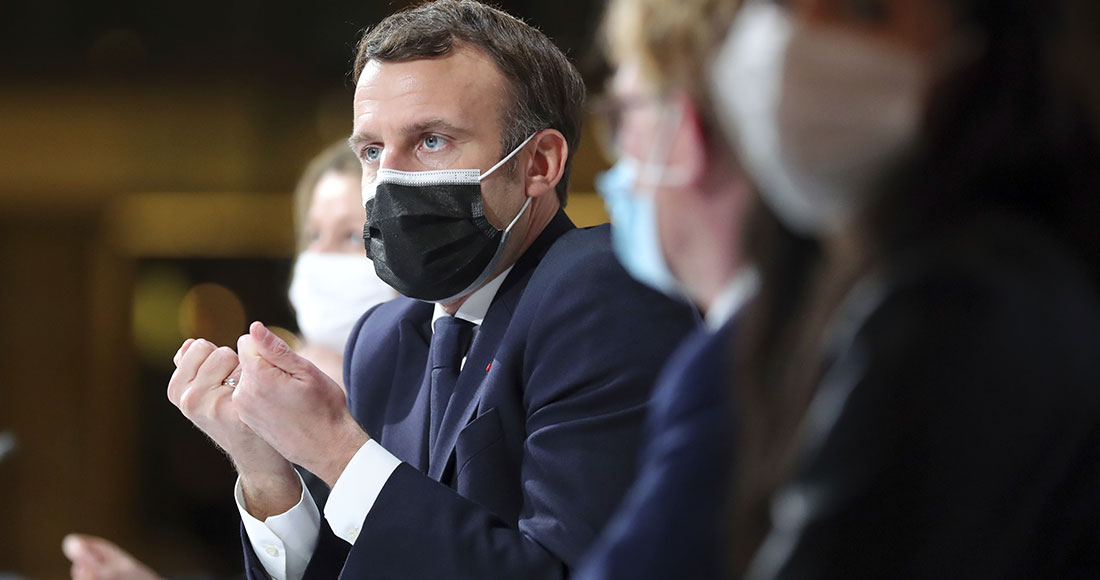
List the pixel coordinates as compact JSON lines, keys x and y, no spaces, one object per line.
{"x":463,"y":88}
{"x":628,"y":78}
{"x":336,"y":187}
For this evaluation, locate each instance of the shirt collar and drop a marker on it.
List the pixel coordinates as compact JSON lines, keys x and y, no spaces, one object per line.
{"x":733,"y":297}
{"x":474,"y":308}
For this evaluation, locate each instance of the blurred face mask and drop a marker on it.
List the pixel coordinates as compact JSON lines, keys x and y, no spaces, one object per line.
{"x":628,"y":190}
{"x":330,"y":292}
{"x":819,"y":115}
{"x":427,"y":233}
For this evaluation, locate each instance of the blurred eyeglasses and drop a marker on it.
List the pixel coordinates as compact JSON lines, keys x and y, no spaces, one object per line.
{"x":608,"y":111}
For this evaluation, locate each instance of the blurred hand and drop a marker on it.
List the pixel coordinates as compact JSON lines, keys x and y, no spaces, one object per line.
{"x":294,"y":406}
{"x":94,"y":558}
{"x":197,"y":388}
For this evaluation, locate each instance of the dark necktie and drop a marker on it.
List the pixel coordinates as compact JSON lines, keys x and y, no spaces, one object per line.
{"x":450,"y":340}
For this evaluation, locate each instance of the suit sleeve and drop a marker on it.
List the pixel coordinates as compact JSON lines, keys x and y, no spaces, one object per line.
{"x":330,"y":552}
{"x":593,"y":343}
{"x":671,"y":524}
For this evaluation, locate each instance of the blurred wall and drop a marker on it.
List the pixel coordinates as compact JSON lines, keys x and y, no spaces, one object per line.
{"x":137,"y":141}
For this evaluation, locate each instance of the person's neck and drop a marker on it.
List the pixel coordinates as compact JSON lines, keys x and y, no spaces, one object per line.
{"x":451,"y":308}
{"x":542,"y":212}
{"x":714,"y":256}
{"x":714,"y":263}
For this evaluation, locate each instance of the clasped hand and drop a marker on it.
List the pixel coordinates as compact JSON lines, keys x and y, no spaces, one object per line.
{"x":282,"y":410}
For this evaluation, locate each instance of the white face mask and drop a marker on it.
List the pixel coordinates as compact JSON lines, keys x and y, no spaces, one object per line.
{"x":819,"y":115}
{"x":330,"y":292}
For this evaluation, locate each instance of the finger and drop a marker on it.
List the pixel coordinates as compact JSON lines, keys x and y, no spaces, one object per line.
{"x":80,"y":550}
{"x":193,"y":359}
{"x":275,"y":351}
{"x":189,"y":366}
{"x":253,"y":366}
{"x":107,"y":550}
{"x":247,"y":349}
{"x":176,"y":387}
{"x":182,"y":350}
{"x":82,"y":572}
{"x":114,"y":562}
{"x":70,"y":546}
{"x":221,"y":363}
{"x":234,"y":377}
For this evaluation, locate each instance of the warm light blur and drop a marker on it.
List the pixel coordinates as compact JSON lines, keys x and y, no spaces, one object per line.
{"x":158,"y":293}
{"x":213,"y":312}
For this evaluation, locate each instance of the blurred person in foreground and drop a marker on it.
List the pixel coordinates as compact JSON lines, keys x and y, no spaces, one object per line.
{"x":677,"y":197}
{"x":493,"y":411}
{"x":331,"y":286}
{"x":917,"y":379}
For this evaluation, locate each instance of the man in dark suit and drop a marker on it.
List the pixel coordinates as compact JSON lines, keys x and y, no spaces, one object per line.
{"x":675,"y":166}
{"x":492,"y":433}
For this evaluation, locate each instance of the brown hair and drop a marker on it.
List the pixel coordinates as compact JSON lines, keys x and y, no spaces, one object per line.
{"x":336,"y":158}
{"x":545,"y":89}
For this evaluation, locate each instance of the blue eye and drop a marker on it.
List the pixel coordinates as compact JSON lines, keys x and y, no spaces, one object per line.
{"x":372,"y":153}
{"x":434,"y":142}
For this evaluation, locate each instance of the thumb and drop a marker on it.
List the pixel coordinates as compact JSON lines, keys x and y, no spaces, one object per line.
{"x":80,"y":548}
{"x":272,"y":349}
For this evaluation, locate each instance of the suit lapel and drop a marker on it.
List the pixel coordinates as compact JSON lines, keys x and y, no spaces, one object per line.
{"x":467,"y":393}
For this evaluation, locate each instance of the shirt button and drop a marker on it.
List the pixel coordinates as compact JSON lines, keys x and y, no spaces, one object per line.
{"x":271,"y":550}
{"x":353,"y":533}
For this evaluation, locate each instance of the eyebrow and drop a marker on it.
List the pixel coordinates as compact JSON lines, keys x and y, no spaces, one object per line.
{"x":427,"y":126}
{"x":358,"y":139}
{"x":434,"y":125}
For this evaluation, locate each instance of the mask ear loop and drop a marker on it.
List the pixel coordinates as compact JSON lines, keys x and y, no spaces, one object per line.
{"x":508,"y":229}
{"x":502,"y":162}
{"x":509,"y":156}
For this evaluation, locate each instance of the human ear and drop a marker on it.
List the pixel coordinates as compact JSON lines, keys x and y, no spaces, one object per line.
{"x":689,"y":152}
{"x":546,"y":165}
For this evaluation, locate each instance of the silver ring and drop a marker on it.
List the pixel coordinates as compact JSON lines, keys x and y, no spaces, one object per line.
{"x":230,"y":382}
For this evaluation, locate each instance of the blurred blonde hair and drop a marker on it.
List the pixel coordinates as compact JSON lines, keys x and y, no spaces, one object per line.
{"x":337,"y":158}
{"x":673,"y":40}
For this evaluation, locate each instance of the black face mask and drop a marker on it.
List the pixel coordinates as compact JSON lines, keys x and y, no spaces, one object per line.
{"x":427,"y":233}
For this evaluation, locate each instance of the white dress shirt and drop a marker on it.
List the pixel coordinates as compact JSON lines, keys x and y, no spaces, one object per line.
{"x":733,"y":297}
{"x":284,"y":543}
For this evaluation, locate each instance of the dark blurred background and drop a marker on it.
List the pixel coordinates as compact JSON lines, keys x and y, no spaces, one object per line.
{"x":147,"y":154}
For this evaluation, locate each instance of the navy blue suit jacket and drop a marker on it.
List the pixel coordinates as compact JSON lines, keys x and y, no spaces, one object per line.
{"x":540,"y":438}
{"x":671,"y":523}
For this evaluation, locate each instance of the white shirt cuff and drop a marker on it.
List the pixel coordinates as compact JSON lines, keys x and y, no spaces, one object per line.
{"x":357,"y":488}
{"x":284,"y":543}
